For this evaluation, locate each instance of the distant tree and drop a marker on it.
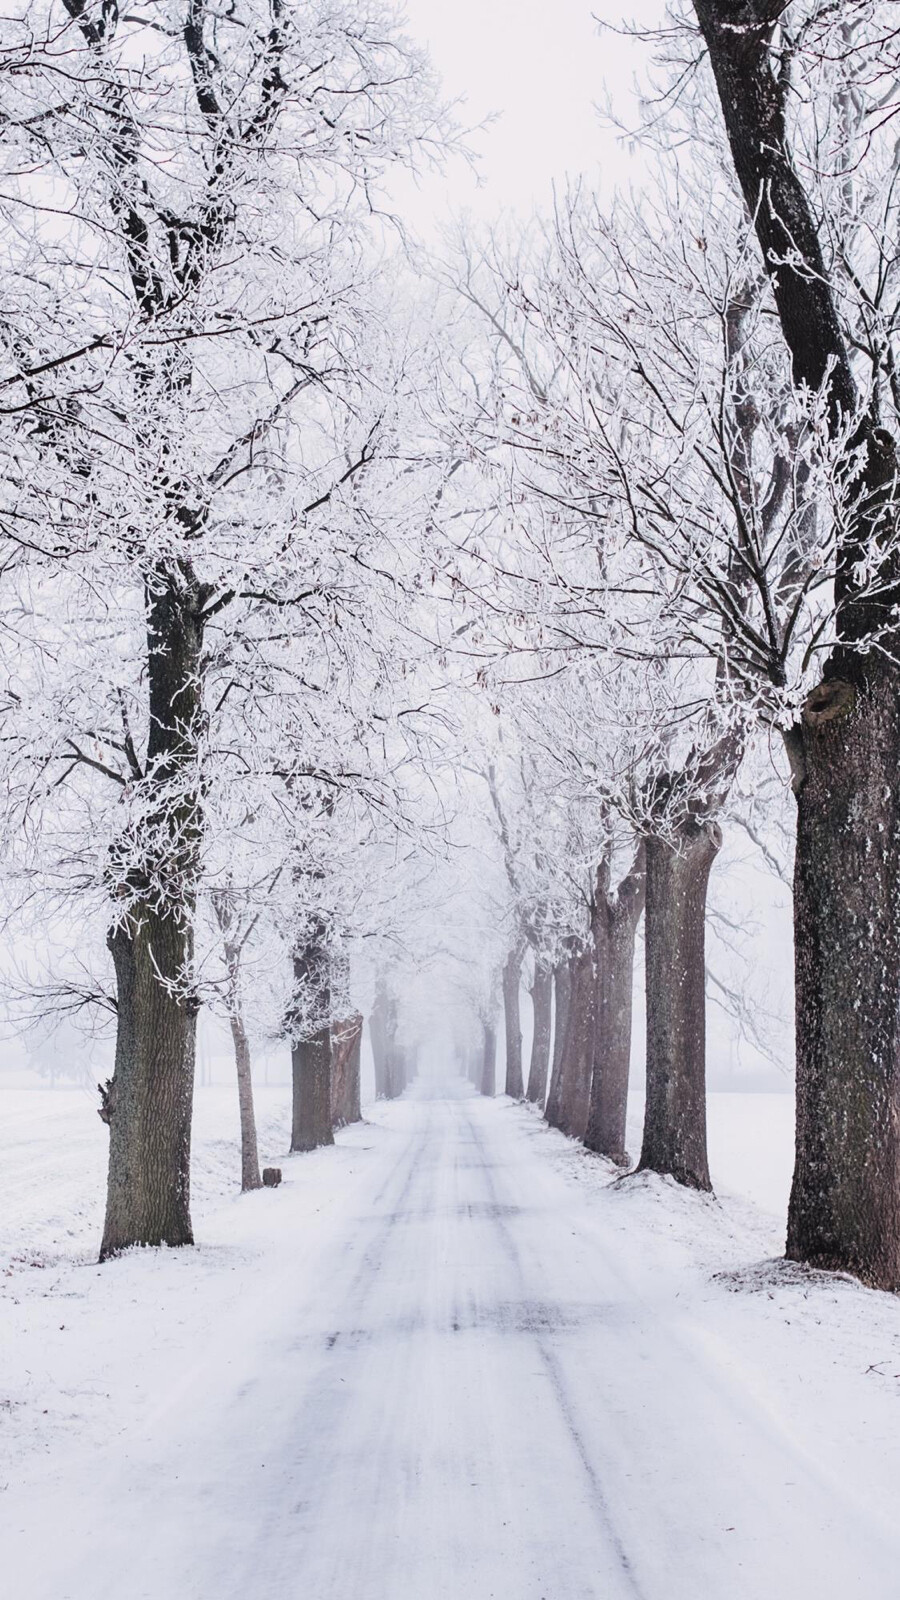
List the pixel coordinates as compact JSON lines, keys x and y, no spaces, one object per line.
{"x":236,"y":927}
{"x":345,"y":1086}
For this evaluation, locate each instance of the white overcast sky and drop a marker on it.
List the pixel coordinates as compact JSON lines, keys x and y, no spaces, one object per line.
{"x":540,"y":67}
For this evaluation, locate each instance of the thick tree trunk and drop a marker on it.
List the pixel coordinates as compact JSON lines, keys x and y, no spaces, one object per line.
{"x":346,"y":1043}
{"x":512,"y":973}
{"x":675,"y":934}
{"x":615,"y":926}
{"x":578,"y":1051}
{"x":845,"y":1201}
{"x":311,"y":1081}
{"x":489,"y":1059}
{"x":311,"y":1051}
{"x":845,"y":751}
{"x":148,"y":1102}
{"x":250,"y":1178}
{"x":542,"y":1002}
{"x":562,"y":994}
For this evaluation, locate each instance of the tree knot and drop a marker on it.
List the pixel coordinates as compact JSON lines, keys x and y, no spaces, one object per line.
{"x":828,"y":701}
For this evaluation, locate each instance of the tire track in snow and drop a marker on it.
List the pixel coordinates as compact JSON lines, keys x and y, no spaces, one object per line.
{"x":500,"y":1213}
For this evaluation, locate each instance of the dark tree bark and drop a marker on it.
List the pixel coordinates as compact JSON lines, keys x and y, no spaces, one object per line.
{"x":752,"y":93}
{"x":845,"y":1200}
{"x":675,"y":936}
{"x":311,"y":1081}
{"x":311,"y":1051}
{"x":578,"y":1048}
{"x":845,"y":751}
{"x":346,"y":1043}
{"x":489,"y":1059}
{"x":542,"y":1002}
{"x":512,"y":974}
{"x":615,"y":924}
{"x":149,"y":1102}
{"x":562,"y":991}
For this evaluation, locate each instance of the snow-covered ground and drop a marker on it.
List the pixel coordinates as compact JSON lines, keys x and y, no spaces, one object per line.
{"x":449,"y":1358}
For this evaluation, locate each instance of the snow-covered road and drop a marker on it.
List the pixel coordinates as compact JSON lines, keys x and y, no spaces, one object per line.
{"x":459,"y":1380}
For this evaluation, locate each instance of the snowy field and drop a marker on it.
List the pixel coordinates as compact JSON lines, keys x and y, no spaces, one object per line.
{"x":448,"y":1358}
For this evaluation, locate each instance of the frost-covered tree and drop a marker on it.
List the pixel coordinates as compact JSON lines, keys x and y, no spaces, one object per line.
{"x":187,"y":404}
{"x":812,"y":135}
